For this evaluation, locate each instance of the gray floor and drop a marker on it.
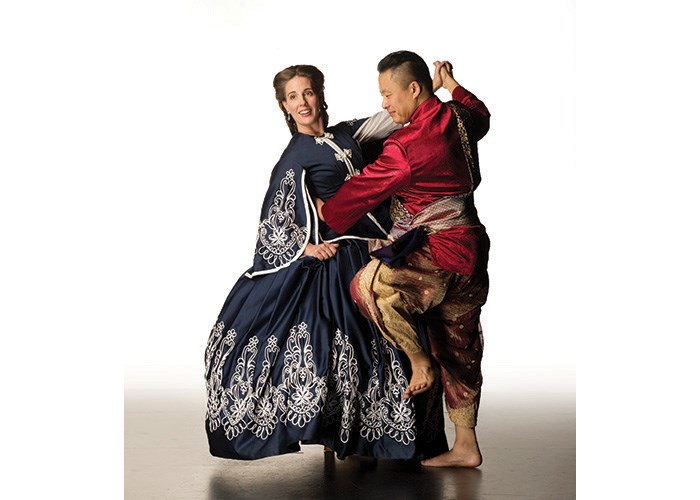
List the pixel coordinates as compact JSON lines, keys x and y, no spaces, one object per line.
{"x":528,"y":445}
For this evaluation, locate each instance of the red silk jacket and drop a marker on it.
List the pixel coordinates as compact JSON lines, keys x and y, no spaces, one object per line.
{"x":421,"y":163}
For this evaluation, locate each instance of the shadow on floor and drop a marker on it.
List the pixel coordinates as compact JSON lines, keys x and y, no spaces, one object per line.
{"x":354,"y":477}
{"x":529,"y":446}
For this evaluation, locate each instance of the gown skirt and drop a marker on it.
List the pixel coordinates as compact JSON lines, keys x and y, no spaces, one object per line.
{"x":291,"y":361}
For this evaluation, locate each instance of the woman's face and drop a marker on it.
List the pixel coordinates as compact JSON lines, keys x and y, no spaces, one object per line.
{"x":302,"y":102}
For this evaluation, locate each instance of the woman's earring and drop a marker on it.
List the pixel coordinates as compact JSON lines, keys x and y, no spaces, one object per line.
{"x":289,"y":116}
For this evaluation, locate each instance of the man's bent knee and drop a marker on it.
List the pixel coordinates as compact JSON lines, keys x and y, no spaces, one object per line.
{"x":361,"y":293}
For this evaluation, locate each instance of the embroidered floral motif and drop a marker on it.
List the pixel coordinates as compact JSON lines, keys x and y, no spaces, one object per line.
{"x":269,"y":399}
{"x":384,"y":411}
{"x":280,"y":238}
{"x":253,"y":403}
{"x":343,"y":384}
{"x":301,"y":386}
{"x":400,"y":424}
{"x":237,"y":398}
{"x":214,"y":361}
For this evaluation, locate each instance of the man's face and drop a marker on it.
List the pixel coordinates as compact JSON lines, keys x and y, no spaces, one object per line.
{"x":398,"y":101}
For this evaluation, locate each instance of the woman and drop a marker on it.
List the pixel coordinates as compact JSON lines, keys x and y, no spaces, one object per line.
{"x":290,"y":360}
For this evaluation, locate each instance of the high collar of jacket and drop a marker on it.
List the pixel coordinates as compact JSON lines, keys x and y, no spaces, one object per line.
{"x":426,"y":109}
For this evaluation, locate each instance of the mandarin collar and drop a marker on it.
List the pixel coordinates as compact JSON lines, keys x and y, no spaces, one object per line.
{"x":425,"y":108}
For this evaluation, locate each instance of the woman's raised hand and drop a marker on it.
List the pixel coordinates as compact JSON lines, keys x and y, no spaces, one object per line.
{"x":321,"y":252}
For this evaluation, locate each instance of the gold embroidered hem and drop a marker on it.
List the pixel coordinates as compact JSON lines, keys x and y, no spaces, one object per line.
{"x":465,"y":417}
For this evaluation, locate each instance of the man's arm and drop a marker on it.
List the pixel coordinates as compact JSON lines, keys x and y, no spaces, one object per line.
{"x":363,"y":192}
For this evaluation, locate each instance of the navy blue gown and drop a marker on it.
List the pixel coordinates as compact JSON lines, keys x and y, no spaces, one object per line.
{"x":290,"y":360}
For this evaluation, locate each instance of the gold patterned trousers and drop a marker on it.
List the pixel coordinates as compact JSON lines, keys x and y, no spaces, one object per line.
{"x":450,"y":302}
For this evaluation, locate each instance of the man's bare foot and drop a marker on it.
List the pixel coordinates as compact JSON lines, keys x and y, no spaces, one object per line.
{"x":422,"y":379}
{"x":465,"y":452}
{"x":455,"y":458}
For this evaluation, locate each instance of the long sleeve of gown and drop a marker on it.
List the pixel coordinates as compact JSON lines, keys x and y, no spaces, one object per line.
{"x":285,"y":224}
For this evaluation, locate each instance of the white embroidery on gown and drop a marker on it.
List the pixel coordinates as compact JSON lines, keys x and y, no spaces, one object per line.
{"x":301,"y":385}
{"x":280,"y":238}
{"x":253,"y":403}
{"x":342,"y":384}
{"x":389,"y":414}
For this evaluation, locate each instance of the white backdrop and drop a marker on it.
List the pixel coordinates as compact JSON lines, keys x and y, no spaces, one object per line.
{"x":136,"y":138}
{"x":205,"y":131}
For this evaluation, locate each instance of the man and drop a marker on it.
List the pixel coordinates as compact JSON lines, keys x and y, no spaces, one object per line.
{"x":431,"y":168}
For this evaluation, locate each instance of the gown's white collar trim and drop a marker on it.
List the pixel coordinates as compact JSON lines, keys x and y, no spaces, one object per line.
{"x":322,"y":139}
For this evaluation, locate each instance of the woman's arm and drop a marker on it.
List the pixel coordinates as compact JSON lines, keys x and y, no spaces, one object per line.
{"x":378,"y":126}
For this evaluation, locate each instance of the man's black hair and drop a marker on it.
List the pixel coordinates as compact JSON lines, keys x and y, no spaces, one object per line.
{"x":412,"y":67}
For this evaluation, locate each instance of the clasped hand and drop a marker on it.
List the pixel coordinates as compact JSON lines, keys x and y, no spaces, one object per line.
{"x":443,"y":77}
